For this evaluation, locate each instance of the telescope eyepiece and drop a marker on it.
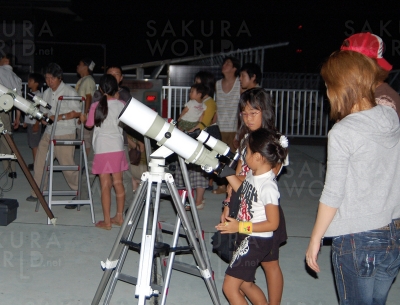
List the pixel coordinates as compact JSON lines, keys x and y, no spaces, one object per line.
{"x":48,"y":120}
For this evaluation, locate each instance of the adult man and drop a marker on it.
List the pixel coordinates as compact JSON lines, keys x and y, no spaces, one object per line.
{"x":86,"y":87}
{"x":125,"y":96}
{"x":65,"y":130}
{"x":250,"y":76}
{"x":227,"y":98}
{"x":10,"y":80}
{"x":371,"y":46}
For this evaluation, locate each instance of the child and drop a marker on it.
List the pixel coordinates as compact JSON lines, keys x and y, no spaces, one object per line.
{"x":258,"y":215}
{"x":193,"y":112}
{"x":257,"y":112}
{"x":108,"y":145}
{"x":137,"y":142}
{"x":34,"y":130}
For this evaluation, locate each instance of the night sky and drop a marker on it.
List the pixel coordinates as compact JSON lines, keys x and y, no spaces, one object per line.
{"x":141,"y":31}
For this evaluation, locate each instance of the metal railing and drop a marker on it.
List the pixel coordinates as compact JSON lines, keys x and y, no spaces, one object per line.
{"x":176,"y":97}
{"x":301,"y":113}
{"x":298,"y":113}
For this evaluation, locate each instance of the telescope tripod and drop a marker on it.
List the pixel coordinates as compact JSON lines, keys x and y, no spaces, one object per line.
{"x":144,"y":288}
{"x":28,"y":175}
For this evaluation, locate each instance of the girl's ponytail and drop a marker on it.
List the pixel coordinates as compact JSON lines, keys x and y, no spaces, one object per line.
{"x":108,"y":86}
{"x":101,"y":111}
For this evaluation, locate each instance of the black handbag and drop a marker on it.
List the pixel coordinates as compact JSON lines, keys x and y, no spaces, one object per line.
{"x":213,"y":130}
{"x":224,"y":244}
{"x":135,"y":155}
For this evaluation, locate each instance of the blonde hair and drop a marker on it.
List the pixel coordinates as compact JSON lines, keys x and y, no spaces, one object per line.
{"x":351,"y":79}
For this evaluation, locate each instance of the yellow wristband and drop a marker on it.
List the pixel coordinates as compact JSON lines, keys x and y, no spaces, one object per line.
{"x":245,"y":227}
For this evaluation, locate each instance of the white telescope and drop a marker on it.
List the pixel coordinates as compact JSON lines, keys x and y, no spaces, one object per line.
{"x":147,"y":122}
{"x":9,"y":98}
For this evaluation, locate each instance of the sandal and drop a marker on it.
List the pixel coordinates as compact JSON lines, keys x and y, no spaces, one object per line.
{"x":220,"y":190}
{"x":200,"y":206}
{"x":102,"y":225}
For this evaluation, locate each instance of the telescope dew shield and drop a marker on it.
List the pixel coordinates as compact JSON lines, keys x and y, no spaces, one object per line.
{"x":147,"y":122}
{"x":39,"y":101}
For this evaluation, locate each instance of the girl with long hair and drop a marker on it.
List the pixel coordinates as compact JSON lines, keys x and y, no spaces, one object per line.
{"x":109,"y":157}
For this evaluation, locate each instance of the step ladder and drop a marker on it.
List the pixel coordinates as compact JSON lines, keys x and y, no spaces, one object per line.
{"x":49,"y":167}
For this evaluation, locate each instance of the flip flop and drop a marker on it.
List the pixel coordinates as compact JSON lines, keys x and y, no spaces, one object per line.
{"x":101,"y":225}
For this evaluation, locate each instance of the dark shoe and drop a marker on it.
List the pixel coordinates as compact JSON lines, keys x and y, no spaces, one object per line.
{"x":187,"y":206}
{"x":30,"y":167}
{"x":31,"y":198}
{"x":12,"y":175}
{"x":209,"y":188}
{"x":71,"y":206}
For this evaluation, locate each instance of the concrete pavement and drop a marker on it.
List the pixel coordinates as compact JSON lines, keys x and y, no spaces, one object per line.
{"x":60,"y":265}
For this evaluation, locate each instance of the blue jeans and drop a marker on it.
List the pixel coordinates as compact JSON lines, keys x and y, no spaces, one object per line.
{"x":365,"y":265}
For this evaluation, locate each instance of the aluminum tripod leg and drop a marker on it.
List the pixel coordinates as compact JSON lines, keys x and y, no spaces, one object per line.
{"x":176,"y":236}
{"x":171,"y":258}
{"x":143,"y":288}
{"x":117,"y":257}
{"x":195,"y":215}
{"x":129,"y":232}
{"x":126,"y":232}
{"x":205,"y":272}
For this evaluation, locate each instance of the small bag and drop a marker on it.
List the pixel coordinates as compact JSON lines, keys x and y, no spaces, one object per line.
{"x":224,"y":244}
{"x":135,"y":155}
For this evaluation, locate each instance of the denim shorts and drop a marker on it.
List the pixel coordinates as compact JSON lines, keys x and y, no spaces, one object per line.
{"x":365,"y":264}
